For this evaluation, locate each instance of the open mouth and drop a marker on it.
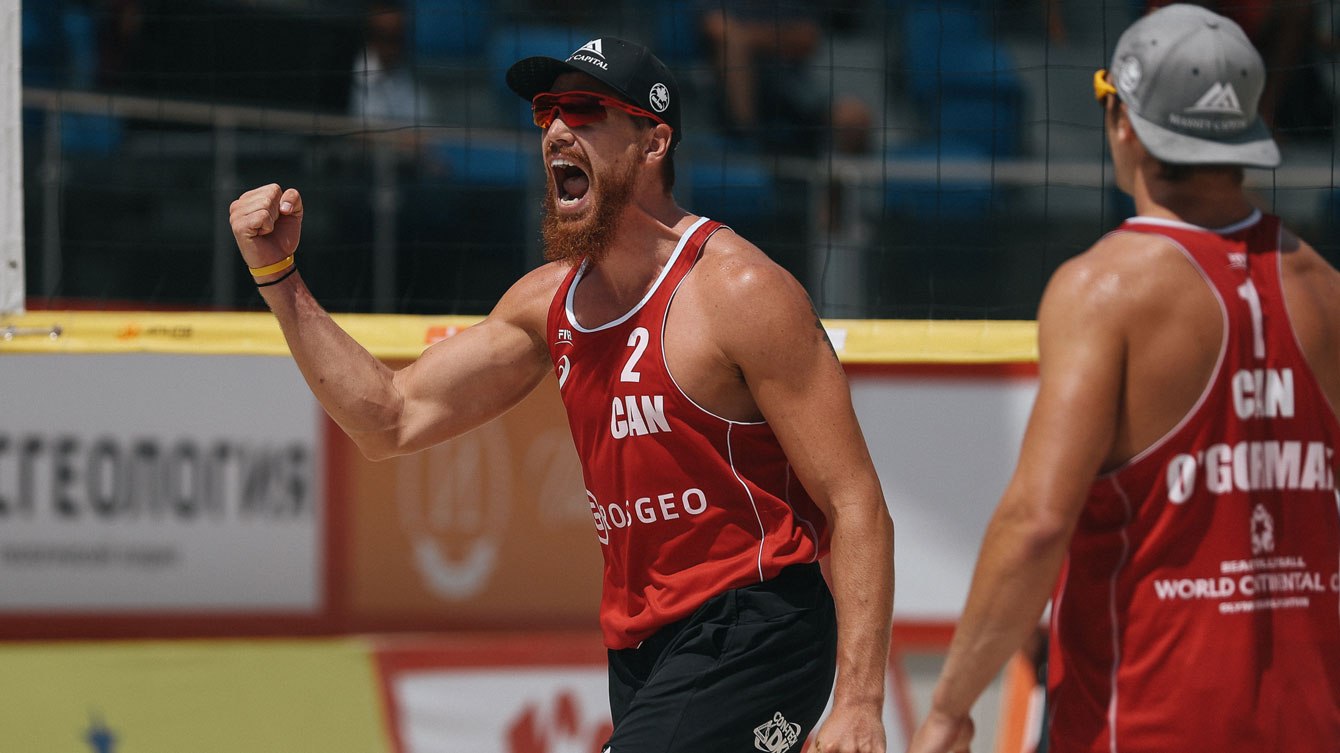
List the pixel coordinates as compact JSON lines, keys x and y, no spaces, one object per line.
{"x":571,"y":182}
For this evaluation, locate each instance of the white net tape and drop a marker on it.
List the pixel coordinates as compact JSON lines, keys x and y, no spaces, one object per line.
{"x":11,"y":163}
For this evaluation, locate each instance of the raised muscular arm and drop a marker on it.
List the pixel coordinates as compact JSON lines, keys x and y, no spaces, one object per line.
{"x":1069,"y":435}
{"x":457,"y":384}
{"x":800,"y":388}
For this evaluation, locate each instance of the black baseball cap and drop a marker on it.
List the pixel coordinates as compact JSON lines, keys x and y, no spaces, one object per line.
{"x":630,"y":69}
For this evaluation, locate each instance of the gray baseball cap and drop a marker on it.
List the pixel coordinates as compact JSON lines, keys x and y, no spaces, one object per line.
{"x":1191,"y":81}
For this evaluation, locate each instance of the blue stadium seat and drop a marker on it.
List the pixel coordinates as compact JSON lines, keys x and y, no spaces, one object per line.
{"x":678,"y":40}
{"x":935,"y":200}
{"x":486,"y":165}
{"x":450,"y":30}
{"x":740,"y":194}
{"x":60,"y":50}
{"x":963,"y":79}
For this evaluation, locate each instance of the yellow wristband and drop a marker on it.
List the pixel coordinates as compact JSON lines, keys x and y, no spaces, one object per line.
{"x":270,"y":269}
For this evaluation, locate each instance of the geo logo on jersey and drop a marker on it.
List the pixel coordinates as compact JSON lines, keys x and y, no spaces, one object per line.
{"x":776,"y":735}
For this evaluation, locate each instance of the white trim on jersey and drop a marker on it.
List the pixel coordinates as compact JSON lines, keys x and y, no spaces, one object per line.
{"x":1236,"y":227}
{"x":762,"y":532}
{"x":1115,"y":623}
{"x":1209,"y":384}
{"x":796,"y":513}
{"x":581,"y":272}
{"x":665,"y":362}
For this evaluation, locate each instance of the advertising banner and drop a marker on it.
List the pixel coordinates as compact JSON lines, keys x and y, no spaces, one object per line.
{"x":503,"y":693}
{"x":159,"y":485}
{"x":536,"y":693}
{"x":491,"y":529}
{"x":159,"y":494}
{"x":313,"y":696}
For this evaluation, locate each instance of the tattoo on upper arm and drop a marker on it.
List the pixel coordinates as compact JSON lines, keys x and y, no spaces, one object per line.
{"x":819,"y":324}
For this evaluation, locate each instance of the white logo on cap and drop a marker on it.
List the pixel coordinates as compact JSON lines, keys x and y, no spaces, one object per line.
{"x":1220,"y":98}
{"x":592,"y":47}
{"x":659,"y":97}
{"x":1128,"y":77}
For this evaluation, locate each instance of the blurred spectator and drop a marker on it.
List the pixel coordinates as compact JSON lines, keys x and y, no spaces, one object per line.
{"x":384,"y":83}
{"x":761,"y":52}
{"x":849,"y":216}
{"x":1295,"y":102}
{"x":119,"y":23}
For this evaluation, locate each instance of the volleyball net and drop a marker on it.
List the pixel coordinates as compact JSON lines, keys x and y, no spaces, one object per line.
{"x":904,"y":159}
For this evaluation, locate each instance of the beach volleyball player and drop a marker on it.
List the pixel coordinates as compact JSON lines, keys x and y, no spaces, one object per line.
{"x":721,"y":454}
{"x":1182,"y":446}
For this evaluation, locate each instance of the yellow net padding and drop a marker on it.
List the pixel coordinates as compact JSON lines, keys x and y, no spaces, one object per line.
{"x":397,"y":337}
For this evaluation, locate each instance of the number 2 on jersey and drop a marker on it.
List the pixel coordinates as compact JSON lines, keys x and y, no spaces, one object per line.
{"x":638,"y":342}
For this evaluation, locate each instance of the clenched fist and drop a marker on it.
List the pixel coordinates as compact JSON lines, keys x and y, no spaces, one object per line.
{"x":266,"y":222}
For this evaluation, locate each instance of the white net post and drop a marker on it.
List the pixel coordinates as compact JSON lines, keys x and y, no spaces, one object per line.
{"x":11,"y":162}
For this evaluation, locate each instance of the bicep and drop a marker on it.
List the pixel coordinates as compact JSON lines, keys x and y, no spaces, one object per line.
{"x":801,"y":390}
{"x":476,"y":375}
{"x":466,"y":380}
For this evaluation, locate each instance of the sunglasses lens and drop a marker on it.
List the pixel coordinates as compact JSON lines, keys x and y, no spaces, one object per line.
{"x":574,"y":109}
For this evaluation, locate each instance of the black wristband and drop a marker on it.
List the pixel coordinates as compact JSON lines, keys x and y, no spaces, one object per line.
{"x":279,"y":279}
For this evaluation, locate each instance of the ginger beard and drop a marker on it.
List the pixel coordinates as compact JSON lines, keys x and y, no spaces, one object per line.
{"x":569,"y":238}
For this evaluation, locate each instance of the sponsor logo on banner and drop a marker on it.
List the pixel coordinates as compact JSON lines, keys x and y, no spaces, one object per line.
{"x":167,"y":332}
{"x":454,"y":502}
{"x":502,"y":708}
{"x":439,"y":332}
{"x":152,"y":483}
{"x":99,"y":737}
{"x":557,"y":726}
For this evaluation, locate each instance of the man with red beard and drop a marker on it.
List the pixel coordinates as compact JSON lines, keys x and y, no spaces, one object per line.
{"x":720,"y":450}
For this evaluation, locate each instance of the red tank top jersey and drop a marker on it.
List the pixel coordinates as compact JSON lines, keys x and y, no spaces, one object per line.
{"x":1198,"y":606}
{"x":686,"y":504}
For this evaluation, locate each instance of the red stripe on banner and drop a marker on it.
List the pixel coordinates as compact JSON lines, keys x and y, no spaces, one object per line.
{"x":398,"y":655}
{"x":1019,"y":370}
{"x":922,"y":635}
{"x":902,"y":692}
{"x":336,"y":520}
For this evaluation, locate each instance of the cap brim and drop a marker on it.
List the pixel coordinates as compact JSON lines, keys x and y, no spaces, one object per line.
{"x":533,"y":75}
{"x":1254,"y":147}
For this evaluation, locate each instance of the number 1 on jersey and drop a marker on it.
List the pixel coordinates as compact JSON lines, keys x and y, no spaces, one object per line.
{"x":1247,"y":291}
{"x":638,"y":342}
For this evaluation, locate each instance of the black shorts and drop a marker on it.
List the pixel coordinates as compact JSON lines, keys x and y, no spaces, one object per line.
{"x":750,"y":670}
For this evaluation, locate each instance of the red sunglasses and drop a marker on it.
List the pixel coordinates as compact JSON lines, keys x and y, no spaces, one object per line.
{"x":579,"y":108}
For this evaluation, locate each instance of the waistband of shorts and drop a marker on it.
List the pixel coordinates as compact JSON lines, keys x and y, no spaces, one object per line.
{"x":795,"y":583}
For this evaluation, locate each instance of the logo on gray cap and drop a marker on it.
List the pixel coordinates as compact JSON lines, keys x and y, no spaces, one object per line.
{"x":1191,"y":81}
